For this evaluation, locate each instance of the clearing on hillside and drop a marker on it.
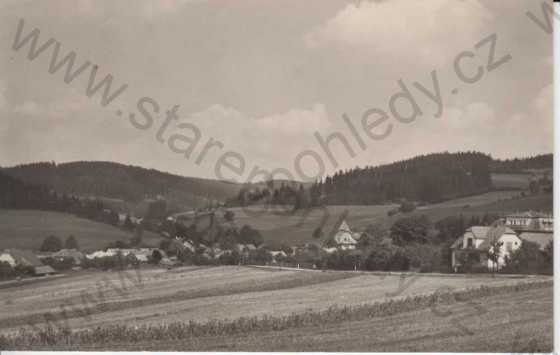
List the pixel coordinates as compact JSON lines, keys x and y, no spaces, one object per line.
{"x":26,"y":229}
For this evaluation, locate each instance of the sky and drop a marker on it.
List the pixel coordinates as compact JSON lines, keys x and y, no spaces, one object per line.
{"x":262,"y":84}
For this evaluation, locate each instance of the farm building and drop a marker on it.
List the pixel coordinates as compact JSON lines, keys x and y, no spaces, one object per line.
{"x":477,"y":242}
{"x":16,"y":257}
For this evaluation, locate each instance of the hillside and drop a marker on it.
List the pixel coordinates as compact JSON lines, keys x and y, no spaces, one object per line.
{"x":429,"y":178}
{"x":15,"y":193}
{"x":26,"y":229}
{"x":517,"y":165}
{"x":282,"y":226}
{"x":118,"y":183}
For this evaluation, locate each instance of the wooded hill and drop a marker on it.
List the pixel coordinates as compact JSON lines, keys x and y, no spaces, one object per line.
{"x":520,"y":165}
{"x":128,"y":183}
{"x":428,"y":178}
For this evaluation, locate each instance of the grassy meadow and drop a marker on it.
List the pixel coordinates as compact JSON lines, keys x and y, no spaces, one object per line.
{"x":280,"y":225}
{"x":26,"y":229}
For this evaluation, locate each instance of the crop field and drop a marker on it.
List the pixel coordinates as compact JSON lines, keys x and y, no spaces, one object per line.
{"x":26,"y":229}
{"x":244,"y":295}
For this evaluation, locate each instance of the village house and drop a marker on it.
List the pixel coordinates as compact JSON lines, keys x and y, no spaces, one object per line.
{"x":143,"y":255}
{"x":530,"y":222}
{"x":476,"y":244}
{"x":17,"y":257}
{"x":278,"y":256}
{"x":344,"y":238}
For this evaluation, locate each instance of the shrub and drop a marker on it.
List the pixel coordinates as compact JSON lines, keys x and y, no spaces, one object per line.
{"x":51,"y":243}
{"x":71,"y":243}
{"x":407,"y":207}
{"x":59,"y":264}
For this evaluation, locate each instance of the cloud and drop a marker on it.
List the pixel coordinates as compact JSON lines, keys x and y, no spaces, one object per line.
{"x":296,"y":121}
{"x":269,"y":140}
{"x":475,"y":115}
{"x":403,"y":29}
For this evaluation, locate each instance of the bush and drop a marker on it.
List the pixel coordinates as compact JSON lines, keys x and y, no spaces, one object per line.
{"x":6,"y":271}
{"x":407,"y":207}
{"x":412,"y":229}
{"x":249,"y":235}
{"x":59,"y":264}
{"x":528,"y":259}
{"x":51,"y":243}
{"x":229,"y":216}
{"x":71,"y":243}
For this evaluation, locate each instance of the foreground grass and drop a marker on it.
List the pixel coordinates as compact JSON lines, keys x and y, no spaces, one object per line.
{"x":194,"y":335}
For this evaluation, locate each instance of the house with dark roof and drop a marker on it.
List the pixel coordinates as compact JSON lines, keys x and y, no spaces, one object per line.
{"x":478,"y":242}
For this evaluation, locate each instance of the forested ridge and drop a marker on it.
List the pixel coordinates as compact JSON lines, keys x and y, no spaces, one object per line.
{"x":518,"y":165}
{"x":428,"y":178}
{"x":129,"y":183}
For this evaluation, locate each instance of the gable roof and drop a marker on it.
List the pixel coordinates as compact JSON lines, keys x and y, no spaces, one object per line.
{"x":344,"y":227}
{"x":485,"y":232}
{"x":479,"y":232}
{"x":43,"y":270}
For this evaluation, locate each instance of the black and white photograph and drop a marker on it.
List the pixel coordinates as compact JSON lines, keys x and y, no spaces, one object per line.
{"x":277,"y":176}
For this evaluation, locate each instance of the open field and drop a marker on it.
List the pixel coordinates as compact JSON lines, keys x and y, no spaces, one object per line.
{"x":279,"y":225}
{"x":511,"y":180}
{"x":156,"y":297}
{"x":489,"y":324}
{"x":272,"y":310}
{"x":519,"y":180}
{"x":26,"y":229}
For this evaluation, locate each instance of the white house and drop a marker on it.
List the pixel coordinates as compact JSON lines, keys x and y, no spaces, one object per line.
{"x":530,"y":221}
{"x":476,"y":245}
{"x":344,"y":238}
{"x":8,"y":258}
{"x":16,"y":257}
{"x":277,"y":255}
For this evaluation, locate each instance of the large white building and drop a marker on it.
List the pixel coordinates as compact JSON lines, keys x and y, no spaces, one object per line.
{"x":530,"y":221}
{"x":477,"y":243}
